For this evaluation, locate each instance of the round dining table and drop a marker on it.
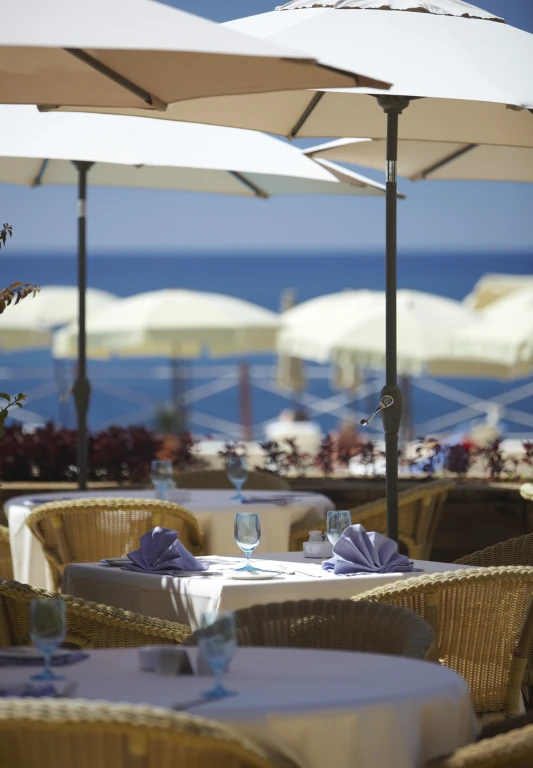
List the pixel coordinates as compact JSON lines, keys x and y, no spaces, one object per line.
{"x":215,"y":510}
{"x":348,"y":710}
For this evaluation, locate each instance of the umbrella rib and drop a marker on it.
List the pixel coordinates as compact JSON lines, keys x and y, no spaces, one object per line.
{"x":305,"y":115}
{"x":123,"y":82}
{"x":436,"y":166}
{"x":258,"y":192}
{"x":36,"y":182}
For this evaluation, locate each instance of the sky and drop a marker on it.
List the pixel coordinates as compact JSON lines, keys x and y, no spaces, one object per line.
{"x":461,"y":216}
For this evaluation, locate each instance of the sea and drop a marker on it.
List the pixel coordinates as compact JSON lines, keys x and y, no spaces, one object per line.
{"x":128,"y":392}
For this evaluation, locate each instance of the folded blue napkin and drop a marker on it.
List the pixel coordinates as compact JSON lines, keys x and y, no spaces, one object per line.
{"x":25,"y":657}
{"x":360,"y":552}
{"x":163,"y":553}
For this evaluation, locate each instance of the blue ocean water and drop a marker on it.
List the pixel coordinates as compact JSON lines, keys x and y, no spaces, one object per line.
{"x":128,"y":392}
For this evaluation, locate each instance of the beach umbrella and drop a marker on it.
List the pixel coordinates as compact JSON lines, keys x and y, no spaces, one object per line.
{"x":31,"y":326}
{"x":140,"y":54}
{"x":419,"y":160}
{"x":37,"y":149}
{"x":449,"y":86}
{"x":348,"y":328}
{"x":174,"y":323}
{"x":492,"y":287}
{"x":502,"y":335}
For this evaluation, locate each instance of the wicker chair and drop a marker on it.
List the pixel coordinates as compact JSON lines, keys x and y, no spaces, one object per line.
{"x":86,"y":530}
{"x":483,"y":622}
{"x":89,"y":625}
{"x":333,"y":625}
{"x":217,"y":478}
{"x":518,"y":551}
{"x":419,"y":510}
{"x":6,"y":563}
{"x":512,"y":750}
{"x":61,"y":733}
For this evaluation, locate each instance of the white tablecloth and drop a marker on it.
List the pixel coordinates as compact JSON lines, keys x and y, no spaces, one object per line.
{"x":185,"y":599}
{"x":214,"y":509}
{"x":324,"y":707}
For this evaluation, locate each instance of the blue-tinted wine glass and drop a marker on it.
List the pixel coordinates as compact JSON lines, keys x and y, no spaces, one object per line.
{"x":237,"y":473}
{"x":217,"y":641}
{"x":337,"y":522}
{"x":247,"y":536}
{"x":48,"y":628}
{"x":162,"y":477}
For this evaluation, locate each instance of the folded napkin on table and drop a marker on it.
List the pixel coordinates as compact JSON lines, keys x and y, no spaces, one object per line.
{"x":360,"y":552}
{"x":161,"y":552}
{"x":30,"y":657}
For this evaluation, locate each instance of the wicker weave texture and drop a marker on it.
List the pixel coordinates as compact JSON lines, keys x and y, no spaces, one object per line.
{"x":340,"y":625}
{"x":86,"y":530}
{"x":512,"y":750}
{"x":6,"y":563}
{"x":217,"y":478}
{"x":89,"y":625}
{"x":483,"y":622}
{"x":47,"y":733}
{"x":419,"y":510}
{"x":517,"y":551}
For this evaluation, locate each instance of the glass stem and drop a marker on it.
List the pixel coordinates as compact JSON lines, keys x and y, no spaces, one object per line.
{"x":248,"y":559}
{"x":218,"y":678}
{"x":47,"y":663}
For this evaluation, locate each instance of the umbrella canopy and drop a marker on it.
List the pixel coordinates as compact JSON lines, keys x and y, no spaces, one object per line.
{"x":435,"y":160}
{"x":349,"y":329}
{"x":503,"y":335}
{"x":140,"y":54}
{"x":32,"y":324}
{"x":37,"y":149}
{"x":443,"y":58}
{"x":174,"y":322}
{"x":492,"y":287}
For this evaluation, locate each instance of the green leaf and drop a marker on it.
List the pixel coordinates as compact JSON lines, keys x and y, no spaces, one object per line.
{"x":5,"y":396}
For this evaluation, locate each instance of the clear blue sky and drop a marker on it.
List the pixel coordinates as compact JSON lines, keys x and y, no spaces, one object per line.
{"x":449,"y":215}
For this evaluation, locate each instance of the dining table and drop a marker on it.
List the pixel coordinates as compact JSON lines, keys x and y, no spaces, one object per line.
{"x":319,"y":707}
{"x":183,"y":599}
{"x":279,"y":513}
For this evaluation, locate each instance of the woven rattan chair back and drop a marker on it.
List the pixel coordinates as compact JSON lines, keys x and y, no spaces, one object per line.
{"x":62,"y":733}
{"x":217,"y":478}
{"x":340,"y":625}
{"x":86,"y":530}
{"x":6,"y":563}
{"x":483,"y":622}
{"x":517,"y":551}
{"x":89,"y":625}
{"x":419,"y":511}
{"x":512,"y":750}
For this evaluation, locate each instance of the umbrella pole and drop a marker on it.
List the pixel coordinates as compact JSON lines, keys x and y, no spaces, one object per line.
{"x":82,"y":387}
{"x":391,"y":413}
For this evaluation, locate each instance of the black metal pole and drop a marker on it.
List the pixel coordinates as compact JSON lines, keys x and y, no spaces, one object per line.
{"x":82,"y":387}
{"x":393,"y":107}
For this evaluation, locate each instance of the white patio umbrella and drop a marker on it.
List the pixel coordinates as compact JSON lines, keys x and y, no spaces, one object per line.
{"x":139,"y":53}
{"x":492,"y":287}
{"x":34,"y":321}
{"x":503,"y":335}
{"x":135,"y":54}
{"x":174,"y":323}
{"x":37,"y":149}
{"x":348,"y":328}
{"x":419,"y":160}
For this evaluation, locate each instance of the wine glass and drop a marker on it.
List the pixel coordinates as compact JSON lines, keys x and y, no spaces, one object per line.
{"x":217,"y":641}
{"x":247,"y":535}
{"x":48,"y":627}
{"x":162,"y":475}
{"x":237,"y":473}
{"x":338,"y":521}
